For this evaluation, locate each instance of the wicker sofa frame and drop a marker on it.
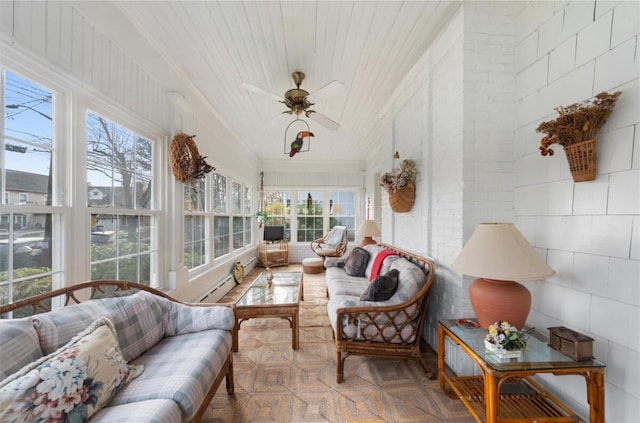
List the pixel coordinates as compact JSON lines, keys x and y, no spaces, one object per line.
{"x":366,"y":346}
{"x":75,"y":294}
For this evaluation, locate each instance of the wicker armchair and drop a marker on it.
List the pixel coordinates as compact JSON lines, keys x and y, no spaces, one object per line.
{"x":334,"y":244}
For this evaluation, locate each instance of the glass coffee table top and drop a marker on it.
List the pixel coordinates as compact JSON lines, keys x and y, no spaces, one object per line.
{"x":285,"y":290}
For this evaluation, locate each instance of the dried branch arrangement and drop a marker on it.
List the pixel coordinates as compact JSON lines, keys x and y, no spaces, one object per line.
{"x":577,"y":122}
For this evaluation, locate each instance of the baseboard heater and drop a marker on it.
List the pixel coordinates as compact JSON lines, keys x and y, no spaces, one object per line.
{"x":225,"y":285}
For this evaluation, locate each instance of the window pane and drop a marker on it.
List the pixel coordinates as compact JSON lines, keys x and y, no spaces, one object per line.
{"x":236,"y":198}
{"x":343,"y":211}
{"x":247,"y":200}
{"x":221,"y":235}
{"x":247,"y":230}
{"x":219,"y":193}
{"x":238,"y":232}
{"x":309,"y":208}
{"x":194,"y":196}
{"x":278,"y":207}
{"x":118,"y":163}
{"x":26,"y":244}
{"x":194,"y":246}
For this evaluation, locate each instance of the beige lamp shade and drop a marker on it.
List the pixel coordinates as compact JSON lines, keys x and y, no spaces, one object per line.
{"x":499,"y":251}
{"x":368,"y":230}
{"x":336,"y":209}
{"x":498,"y":254}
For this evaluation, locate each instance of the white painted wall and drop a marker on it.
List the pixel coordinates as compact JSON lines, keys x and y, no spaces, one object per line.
{"x":57,"y":44}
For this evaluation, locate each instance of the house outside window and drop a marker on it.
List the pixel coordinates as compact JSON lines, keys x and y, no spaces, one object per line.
{"x":23,"y":198}
{"x":120,"y":200}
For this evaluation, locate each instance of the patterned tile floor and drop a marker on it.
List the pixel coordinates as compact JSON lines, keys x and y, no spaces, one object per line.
{"x":274,"y":383}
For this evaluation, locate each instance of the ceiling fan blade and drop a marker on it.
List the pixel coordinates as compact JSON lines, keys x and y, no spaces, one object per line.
{"x":332,"y":89}
{"x":324,"y":121}
{"x":261,"y":91}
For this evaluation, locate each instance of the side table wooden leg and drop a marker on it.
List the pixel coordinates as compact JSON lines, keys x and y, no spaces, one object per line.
{"x":595,"y":396}
{"x":491,"y":397}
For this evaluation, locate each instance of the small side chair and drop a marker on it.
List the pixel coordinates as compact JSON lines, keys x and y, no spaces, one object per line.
{"x":333,"y":244}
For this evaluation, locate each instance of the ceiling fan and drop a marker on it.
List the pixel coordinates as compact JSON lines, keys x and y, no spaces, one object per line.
{"x":299,"y":100}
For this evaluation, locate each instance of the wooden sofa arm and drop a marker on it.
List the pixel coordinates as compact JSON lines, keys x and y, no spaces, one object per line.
{"x":75,"y":294}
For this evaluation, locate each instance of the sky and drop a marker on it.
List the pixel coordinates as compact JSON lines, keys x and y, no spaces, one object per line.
{"x":28,"y":125}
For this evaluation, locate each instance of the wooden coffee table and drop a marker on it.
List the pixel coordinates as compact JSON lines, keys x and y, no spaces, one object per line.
{"x":282,"y":299}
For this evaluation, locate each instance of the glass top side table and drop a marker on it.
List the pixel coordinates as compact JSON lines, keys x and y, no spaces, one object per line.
{"x":505,"y":389}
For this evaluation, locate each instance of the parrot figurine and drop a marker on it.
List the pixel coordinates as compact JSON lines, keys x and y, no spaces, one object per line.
{"x":296,"y":145}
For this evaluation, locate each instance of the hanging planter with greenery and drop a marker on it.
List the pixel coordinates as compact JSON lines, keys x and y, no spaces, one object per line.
{"x":400,"y":185}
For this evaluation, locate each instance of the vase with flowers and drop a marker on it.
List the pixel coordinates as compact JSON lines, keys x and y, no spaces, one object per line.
{"x":575,"y":129}
{"x":400,"y":185}
{"x":505,"y":340}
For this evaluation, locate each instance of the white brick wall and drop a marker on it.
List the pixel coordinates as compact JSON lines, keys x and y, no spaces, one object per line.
{"x":589,"y":229}
{"x":484,"y":163}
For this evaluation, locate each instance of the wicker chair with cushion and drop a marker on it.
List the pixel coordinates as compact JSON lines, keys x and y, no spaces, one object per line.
{"x":333,"y":244}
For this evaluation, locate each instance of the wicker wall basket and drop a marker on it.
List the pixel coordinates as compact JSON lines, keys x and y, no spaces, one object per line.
{"x":582,"y":160}
{"x":185,"y":161}
{"x":403,"y":199}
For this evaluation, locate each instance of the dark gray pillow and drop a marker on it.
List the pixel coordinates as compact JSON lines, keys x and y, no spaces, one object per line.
{"x":356,"y":263}
{"x":382,"y":288}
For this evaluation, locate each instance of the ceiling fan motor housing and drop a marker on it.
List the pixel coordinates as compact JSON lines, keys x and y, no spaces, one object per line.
{"x":296,"y":100}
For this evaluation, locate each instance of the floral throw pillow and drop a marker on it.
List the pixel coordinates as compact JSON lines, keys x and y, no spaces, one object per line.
{"x":71,"y":384}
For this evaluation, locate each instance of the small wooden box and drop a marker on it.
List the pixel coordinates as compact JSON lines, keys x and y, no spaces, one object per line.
{"x":571,"y":343}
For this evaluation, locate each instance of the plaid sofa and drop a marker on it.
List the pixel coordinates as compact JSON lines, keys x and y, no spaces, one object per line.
{"x":389,"y":328}
{"x":185,"y":351}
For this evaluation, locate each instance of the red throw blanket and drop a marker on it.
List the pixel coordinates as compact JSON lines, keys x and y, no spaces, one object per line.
{"x":377,"y":262}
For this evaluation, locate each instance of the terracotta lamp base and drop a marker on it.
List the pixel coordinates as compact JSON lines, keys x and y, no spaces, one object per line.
{"x":367,"y":240}
{"x":494,"y":300}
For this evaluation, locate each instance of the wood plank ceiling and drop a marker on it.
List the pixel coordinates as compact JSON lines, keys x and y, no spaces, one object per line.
{"x":367,"y":46}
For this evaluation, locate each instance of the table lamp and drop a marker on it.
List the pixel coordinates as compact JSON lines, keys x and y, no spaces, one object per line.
{"x":498,"y":254}
{"x":368,"y":229}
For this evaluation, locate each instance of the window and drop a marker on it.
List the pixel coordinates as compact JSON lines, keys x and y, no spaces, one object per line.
{"x":221,"y":227}
{"x":342,"y":211}
{"x":248,"y":202}
{"x":277,"y":204}
{"x":238,"y":219}
{"x":119,"y":177}
{"x":310,"y":221}
{"x":27,"y":237}
{"x":196,"y":225}
{"x":315,"y":213}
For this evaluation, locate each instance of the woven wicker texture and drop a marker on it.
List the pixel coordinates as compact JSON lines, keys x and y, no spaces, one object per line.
{"x":186,"y":162}
{"x":403,"y":199}
{"x":582,"y":160}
